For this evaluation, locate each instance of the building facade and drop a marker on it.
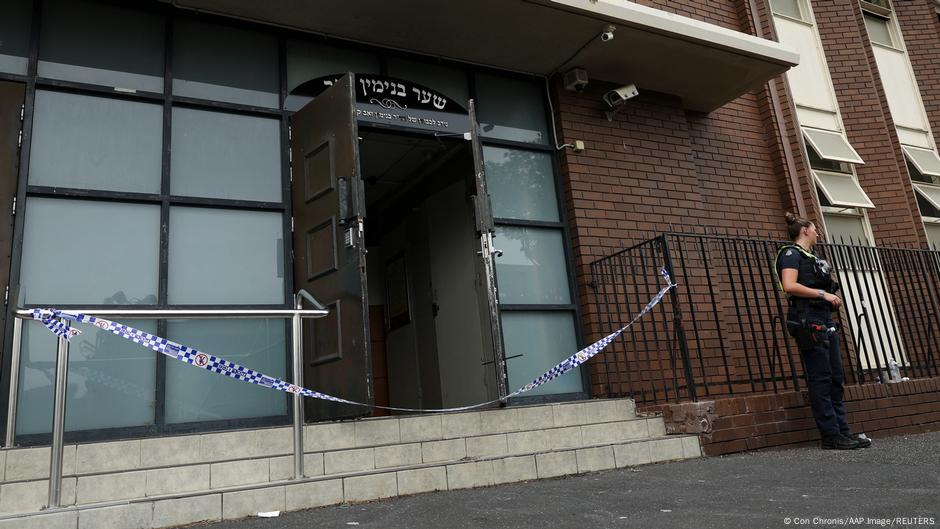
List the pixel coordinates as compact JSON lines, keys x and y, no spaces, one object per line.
{"x":153,"y":158}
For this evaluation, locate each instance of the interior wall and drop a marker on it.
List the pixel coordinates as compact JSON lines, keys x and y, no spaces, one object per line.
{"x":459,"y":332}
{"x":404,"y":389}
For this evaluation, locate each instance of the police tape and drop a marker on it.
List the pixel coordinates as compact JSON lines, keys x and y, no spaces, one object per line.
{"x":52,"y":319}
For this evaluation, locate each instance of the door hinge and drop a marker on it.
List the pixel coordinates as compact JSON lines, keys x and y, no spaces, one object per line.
{"x":19,"y":139}
{"x":14,"y":205}
{"x":6,"y":295}
{"x":292,"y":224}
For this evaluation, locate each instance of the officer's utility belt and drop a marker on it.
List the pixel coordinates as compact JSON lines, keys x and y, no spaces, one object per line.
{"x":810,"y":333}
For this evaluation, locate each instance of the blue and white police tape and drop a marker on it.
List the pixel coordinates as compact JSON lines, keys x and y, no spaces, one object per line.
{"x":51,"y":318}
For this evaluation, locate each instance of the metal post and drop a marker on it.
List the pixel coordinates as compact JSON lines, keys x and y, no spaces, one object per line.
{"x":58,"y":423}
{"x":677,"y":319}
{"x":14,"y":382}
{"x":298,"y":357}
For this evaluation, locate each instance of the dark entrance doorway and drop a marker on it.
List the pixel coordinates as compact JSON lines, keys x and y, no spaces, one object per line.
{"x":397,"y":219}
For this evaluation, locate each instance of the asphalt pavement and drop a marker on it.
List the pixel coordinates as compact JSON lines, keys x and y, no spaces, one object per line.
{"x":895,"y":483}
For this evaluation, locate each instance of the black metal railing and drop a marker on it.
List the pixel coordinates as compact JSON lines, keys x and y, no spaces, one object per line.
{"x":722,"y":331}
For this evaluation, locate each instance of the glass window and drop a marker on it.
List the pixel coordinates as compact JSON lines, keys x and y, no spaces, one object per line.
{"x":543,"y":339}
{"x":309,"y":60}
{"x":846,"y":229}
{"x":925,"y":160}
{"x":92,"y":42}
{"x":225,"y":64}
{"x":111,"y":380}
{"x":96,"y":143}
{"x":933,"y":235}
{"x":449,"y":81}
{"x":842,"y":190}
{"x":790,"y":8}
{"x":224,"y":155}
{"x":930,"y":193}
{"x":194,"y":394}
{"x":221,"y":256}
{"x":89,"y":252}
{"x":879,"y":30}
{"x":926,"y":207}
{"x":532,"y":268}
{"x":831,"y":146}
{"x":511,"y":109}
{"x":14,"y":36}
{"x":522,"y":184}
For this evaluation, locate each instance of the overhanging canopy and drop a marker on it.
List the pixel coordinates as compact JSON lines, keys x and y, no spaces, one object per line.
{"x":704,"y":64}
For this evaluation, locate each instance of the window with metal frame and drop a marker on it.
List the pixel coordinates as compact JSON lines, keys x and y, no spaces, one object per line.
{"x":880,"y":30}
{"x":842,"y":190}
{"x":925,"y":161}
{"x":831,"y":146}
{"x":788,"y":8}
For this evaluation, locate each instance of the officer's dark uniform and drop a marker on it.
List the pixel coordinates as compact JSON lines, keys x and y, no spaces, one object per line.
{"x":810,"y":322}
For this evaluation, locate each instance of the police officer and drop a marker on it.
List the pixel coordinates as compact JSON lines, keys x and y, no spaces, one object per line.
{"x":809,"y":286}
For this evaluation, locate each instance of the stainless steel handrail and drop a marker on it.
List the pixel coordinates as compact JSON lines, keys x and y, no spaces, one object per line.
{"x":58,"y":427}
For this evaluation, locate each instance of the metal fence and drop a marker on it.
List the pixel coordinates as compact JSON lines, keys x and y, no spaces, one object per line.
{"x":722,"y":331}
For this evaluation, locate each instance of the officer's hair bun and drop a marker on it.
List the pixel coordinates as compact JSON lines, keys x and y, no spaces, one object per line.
{"x":791,"y":218}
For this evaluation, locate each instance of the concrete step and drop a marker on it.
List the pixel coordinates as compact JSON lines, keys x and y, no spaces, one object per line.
{"x":237,"y":502}
{"x":22,"y":464}
{"x":30,"y":495}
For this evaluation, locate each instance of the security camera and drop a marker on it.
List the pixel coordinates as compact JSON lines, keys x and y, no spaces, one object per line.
{"x":576,"y":79}
{"x":607,"y":36}
{"x":617,"y":96}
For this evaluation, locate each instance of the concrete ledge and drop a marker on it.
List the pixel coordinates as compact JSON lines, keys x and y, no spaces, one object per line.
{"x":247,"y":502}
{"x":183,"y":511}
{"x":374,"y":487}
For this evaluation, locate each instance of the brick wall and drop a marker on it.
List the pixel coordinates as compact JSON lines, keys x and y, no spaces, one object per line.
{"x":869,"y":127}
{"x":769,"y":421}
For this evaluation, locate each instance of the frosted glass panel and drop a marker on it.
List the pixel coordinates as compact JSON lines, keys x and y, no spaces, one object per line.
{"x":532,"y":268}
{"x":511,"y":109}
{"x":933,"y":235}
{"x":225,"y":64}
{"x":111,"y":380}
{"x":543,"y":339}
{"x":222,"y":155}
{"x":89,"y":252}
{"x":220,"y":256}
{"x":309,"y":60}
{"x":842,"y":190}
{"x":878,"y":30}
{"x":91,"y":42}
{"x":96,"y":143}
{"x":449,"y":81}
{"x":846,"y":229}
{"x":790,"y":8}
{"x":14,"y":36}
{"x":522,"y":184}
{"x":194,"y":394}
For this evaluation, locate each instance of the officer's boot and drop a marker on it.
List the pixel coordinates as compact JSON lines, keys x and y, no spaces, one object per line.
{"x":838,"y":442}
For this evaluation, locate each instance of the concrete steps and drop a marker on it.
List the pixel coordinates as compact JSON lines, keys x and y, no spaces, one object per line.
{"x":153,"y":483}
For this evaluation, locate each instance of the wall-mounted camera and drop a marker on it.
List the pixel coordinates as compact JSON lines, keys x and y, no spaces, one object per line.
{"x":617,"y":96}
{"x":576,"y":79}
{"x":608,"y":33}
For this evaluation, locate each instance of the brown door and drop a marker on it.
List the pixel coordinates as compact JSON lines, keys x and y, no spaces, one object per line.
{"x":11,"y":103}
{"x":488,"y":300}
{"x":329,"y":249}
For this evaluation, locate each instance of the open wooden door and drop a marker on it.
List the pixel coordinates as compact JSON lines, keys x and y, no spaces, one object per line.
{"x":329,"y":249}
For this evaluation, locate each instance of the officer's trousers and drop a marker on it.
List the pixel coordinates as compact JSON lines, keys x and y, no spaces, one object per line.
{"x":826,"y":381}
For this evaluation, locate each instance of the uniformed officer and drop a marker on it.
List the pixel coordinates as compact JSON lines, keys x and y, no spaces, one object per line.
{"x":809,"y":286}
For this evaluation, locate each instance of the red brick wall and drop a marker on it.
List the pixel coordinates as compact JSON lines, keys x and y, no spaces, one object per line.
{"x":767,"y":421}
{"x":869,"y":127}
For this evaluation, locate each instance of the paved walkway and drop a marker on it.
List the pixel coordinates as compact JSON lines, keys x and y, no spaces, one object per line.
{"x":891,"y":484}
